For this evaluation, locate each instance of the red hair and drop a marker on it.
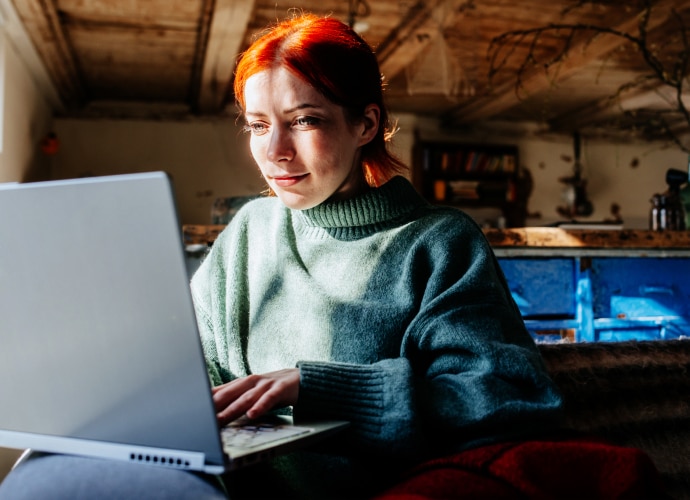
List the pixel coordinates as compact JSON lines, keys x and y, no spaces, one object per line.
{"x":336,"y":61}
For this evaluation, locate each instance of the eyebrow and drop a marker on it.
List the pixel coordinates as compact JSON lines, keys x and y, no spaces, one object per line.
{"x":302,"y":106}
{"x":287,"y":111}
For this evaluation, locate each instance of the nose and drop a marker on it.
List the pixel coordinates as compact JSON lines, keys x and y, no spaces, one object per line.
{"x":280,"y":145}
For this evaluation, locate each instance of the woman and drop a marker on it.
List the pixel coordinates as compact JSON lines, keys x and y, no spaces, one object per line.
{"x":346,"y":295}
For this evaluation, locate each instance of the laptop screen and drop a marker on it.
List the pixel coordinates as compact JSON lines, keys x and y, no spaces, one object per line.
{"x":97,"y":327}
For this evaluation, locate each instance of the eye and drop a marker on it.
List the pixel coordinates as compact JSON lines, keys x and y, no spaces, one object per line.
{"x":256,"y":128}
{"x":306,"y":121}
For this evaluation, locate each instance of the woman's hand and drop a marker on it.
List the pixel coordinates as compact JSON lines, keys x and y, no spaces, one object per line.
{"x":255,"y":395}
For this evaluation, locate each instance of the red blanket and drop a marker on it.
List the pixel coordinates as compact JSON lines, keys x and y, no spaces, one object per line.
{"x":550,"y":469}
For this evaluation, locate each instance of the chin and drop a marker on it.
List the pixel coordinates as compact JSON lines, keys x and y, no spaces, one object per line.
{"x":297,"y":202}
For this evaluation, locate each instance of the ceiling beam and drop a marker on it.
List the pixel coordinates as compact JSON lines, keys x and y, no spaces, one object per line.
{"x":505,"y":96}
{"x":611,"y":106}
{"x":422,"y":24}
{"x":42,"y":24}
{"x":628,"y":112}
{"x":224,"y":42}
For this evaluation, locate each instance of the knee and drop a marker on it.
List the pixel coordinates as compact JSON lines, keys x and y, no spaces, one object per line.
{"x":71,"y":477}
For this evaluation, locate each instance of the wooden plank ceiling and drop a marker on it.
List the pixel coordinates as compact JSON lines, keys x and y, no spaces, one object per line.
{"x":167,"y":58}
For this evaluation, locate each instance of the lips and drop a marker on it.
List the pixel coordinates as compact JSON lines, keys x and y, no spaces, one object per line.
{"x":289,"y":180}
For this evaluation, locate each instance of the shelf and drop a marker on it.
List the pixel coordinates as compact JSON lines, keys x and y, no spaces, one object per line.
{"x":470,"y":176}
{"x":452,"y":161}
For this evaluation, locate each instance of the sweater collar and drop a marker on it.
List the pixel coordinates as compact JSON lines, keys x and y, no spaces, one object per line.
{"x":378,"y":206}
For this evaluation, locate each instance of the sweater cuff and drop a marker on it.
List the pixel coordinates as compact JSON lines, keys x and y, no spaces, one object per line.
{"x":342,"y":391}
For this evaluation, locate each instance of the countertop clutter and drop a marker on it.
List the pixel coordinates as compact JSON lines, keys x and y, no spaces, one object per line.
{"x":559,"y":240}
{"x":526,"y":237}
{"x":201,"y":234}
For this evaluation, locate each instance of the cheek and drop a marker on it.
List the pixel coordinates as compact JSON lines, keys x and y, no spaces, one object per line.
{"x":326,"y":153}
{"x":257,"y":149}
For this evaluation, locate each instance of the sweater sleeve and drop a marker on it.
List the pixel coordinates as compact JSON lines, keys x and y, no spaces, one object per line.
{"x":218,"y":312}
{"x":468,"y":371}
{"x":206,"y":283}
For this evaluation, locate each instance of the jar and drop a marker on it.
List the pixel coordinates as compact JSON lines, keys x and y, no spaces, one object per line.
{"x":657,"y":214}
{"x":675,"y":213}
{"x":667,"y":213}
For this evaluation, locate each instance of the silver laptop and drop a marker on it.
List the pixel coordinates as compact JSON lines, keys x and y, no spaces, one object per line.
{"x":99,"y":349}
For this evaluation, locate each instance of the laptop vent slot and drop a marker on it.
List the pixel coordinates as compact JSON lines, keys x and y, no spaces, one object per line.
{"x":159,"y":460}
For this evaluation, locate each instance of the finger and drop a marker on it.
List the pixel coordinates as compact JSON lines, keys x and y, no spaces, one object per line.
{"x":283,"y":391}
{"x":225,"y":394}
{"x":248,"y":380}
{"x":232,"y":412}
{"x":239,"y":406}
{"x":266,"y":402}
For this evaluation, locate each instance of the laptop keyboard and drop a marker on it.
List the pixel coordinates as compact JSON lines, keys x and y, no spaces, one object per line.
{"x":245,"y":434}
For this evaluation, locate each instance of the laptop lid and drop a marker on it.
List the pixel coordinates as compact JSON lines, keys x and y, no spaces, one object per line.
{"x":99,"y":347}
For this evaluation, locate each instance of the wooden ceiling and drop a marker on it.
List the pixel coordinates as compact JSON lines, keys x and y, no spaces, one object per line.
{"x":166,"y":58}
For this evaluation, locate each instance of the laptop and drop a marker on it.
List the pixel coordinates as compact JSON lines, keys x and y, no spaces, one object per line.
{"x":99,"y":349}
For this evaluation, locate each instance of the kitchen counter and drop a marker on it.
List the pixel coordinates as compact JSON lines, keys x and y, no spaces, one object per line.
{"x":201,"y":234}
{"x":543,"y":241}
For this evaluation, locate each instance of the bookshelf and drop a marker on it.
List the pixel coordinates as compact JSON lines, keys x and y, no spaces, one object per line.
{"x":471,"y":175}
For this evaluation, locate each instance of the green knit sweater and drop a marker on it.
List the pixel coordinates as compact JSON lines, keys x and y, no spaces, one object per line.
{"x":395,"y":311}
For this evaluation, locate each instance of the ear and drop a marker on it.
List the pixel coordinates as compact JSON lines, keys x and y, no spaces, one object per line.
{"x":370,"y":124}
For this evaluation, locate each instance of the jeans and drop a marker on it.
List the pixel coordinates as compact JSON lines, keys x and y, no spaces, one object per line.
{"x":69,"y":477}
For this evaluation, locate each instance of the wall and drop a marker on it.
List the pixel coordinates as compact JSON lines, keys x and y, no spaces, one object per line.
{"x":27,"y":118}
{"x":626,"y":174}
{"x":209,"y":159}
{"x":206,"y":158}
{"x":623,"y":174}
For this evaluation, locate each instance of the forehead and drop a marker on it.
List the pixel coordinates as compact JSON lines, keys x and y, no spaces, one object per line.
{"x":279,"y":88}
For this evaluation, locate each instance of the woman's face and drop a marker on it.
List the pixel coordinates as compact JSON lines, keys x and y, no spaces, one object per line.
{"x":303,"y":144}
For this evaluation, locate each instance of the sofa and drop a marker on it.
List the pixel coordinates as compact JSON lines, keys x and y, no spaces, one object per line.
{"x":633,"y":394}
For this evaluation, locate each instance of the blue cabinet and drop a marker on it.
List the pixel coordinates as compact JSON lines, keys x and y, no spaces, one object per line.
{"x":550,"y":293}
{"x":601,"y":298}
{"x":643,"y":299}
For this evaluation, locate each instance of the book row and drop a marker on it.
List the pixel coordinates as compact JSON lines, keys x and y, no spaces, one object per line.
{"x":451,"y":163}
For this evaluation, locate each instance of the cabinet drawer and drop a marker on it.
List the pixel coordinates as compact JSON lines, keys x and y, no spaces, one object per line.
{"x":542,"y":287}
{"x":652,"y":328}
{"x":640,"y":288}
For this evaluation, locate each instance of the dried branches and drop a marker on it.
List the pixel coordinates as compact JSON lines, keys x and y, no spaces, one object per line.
{"x":667,"y":58}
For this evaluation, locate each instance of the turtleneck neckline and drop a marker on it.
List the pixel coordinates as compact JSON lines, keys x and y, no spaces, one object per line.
{"x":363,"y":213}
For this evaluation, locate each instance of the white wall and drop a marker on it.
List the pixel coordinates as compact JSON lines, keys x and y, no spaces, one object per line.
{"x":627,"y":175}
{"x":624,"y":174}
{"x":206,"y":158}
{"x":26,"y":116}
{"x":209,"y":159}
